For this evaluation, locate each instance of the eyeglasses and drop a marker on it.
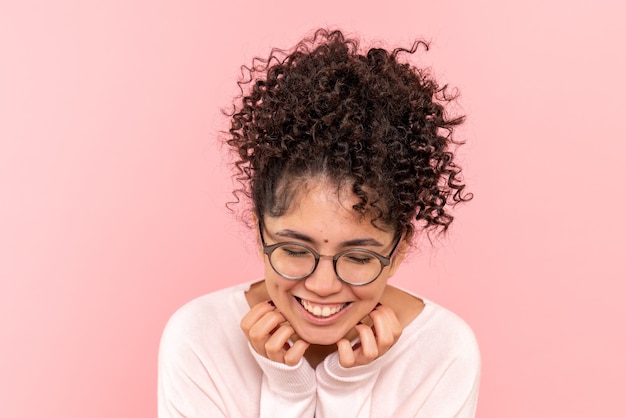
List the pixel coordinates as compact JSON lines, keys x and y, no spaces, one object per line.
{"x":354,"y":266}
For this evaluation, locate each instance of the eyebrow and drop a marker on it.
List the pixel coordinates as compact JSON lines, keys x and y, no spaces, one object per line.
{"x":358,"y":242}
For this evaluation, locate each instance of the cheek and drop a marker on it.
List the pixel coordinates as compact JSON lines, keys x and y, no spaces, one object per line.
{"x":371,"y":293}
{"x":277,"y":287}
{"x":267,"y":267}
{"x":271,"y":278}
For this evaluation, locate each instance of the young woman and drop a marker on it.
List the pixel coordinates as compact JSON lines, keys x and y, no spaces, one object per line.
{"x":345,"y":156}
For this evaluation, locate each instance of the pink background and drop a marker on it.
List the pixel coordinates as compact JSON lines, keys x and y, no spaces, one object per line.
{"x":112,"y":190}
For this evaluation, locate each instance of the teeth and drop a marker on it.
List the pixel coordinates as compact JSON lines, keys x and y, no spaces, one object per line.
{"x":322,"y":312}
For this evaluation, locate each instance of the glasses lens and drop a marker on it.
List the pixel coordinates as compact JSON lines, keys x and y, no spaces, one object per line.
{"x":358,"y":267}
{"x":292,"y":261}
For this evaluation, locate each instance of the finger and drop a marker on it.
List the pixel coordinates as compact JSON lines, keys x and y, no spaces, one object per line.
{"x":346,"y":353}
{"x":383,"y":331}
{"x":369,"y":349}
{"x":255,"y":313}
{"x":295,"y":353}
{"x":276,"y":345}
{"x":392,"y":320}
{"x":262,"y":330}
{"x":265,"y":325}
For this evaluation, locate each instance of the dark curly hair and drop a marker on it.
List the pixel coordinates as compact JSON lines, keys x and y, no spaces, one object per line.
{"x":368,"y":119}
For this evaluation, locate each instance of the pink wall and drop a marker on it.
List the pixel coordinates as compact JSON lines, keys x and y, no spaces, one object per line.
{"x":112,"y":190}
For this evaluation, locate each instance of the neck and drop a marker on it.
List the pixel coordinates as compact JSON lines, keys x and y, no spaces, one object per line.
{"x":316,"y":354}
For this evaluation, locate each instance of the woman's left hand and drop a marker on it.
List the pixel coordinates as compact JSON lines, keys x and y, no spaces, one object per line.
{"x":374,"y":342}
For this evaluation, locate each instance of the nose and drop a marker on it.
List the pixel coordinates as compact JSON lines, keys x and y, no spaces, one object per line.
{"x":324,"y":281}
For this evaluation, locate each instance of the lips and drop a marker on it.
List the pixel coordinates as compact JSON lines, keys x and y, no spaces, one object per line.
{"x":321,"y":310}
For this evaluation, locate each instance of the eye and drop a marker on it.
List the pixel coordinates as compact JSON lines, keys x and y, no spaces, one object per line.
{"x":294,"y":251}
{"x":358,"y":258}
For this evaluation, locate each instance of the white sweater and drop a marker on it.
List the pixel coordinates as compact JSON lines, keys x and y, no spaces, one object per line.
{"x":208,"y":369}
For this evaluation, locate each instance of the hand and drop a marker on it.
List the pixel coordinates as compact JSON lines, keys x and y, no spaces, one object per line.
{"x":269,"y":332}
{"x":374,"y":341}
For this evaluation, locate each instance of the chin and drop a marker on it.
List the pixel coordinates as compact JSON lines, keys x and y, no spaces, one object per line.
{"x":317,"y":337}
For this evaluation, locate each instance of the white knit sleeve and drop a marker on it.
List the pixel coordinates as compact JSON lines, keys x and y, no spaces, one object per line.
{"x":286,"y":391}
{"x":345,"y":392}
{"x":456,"y":392}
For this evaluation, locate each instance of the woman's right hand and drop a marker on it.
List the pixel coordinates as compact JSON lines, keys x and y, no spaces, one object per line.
{"x":269,"y":332}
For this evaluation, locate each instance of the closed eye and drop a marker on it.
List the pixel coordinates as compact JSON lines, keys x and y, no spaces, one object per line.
{"x":358,"y":258}
{"x":294,"y":251}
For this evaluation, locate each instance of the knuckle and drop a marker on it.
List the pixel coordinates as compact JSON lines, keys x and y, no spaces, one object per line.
{"x":371,"y":354}
{"x":386,"y":341}
{"x":291,"y":361}
{"x":370,"y":351}
{"x":273,"y":347}
{"x":246,"y":323}
{"x":255,"y":334}
{"x":346,"y":363}
{"x":287,"y":330}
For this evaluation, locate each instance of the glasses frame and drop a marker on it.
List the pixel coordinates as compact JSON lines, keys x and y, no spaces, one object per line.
{"x":384,"y":261}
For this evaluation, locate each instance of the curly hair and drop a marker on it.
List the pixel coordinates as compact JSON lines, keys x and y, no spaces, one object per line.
{"x":326,"y":109}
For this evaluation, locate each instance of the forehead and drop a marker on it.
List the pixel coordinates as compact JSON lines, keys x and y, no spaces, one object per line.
{"x":321,"y":196}
{"x":321,"y":205}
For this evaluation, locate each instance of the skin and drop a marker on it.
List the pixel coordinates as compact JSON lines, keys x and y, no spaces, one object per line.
{"x":375,"y":313}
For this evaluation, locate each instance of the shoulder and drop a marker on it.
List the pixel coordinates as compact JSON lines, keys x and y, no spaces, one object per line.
{"x":437,"y":361}
{"x":446,"y":325}
{"x":441,"y":337}
{"x":203,"y":319}
{"x":448,"y":355}
{"x":201,"y":355}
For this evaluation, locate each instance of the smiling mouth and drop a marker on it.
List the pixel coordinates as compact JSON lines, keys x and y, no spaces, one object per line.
{"x":321,"y":311}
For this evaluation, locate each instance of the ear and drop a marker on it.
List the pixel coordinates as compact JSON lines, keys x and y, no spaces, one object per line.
{"x":255,"y":220}
{"x":398,"y":256}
